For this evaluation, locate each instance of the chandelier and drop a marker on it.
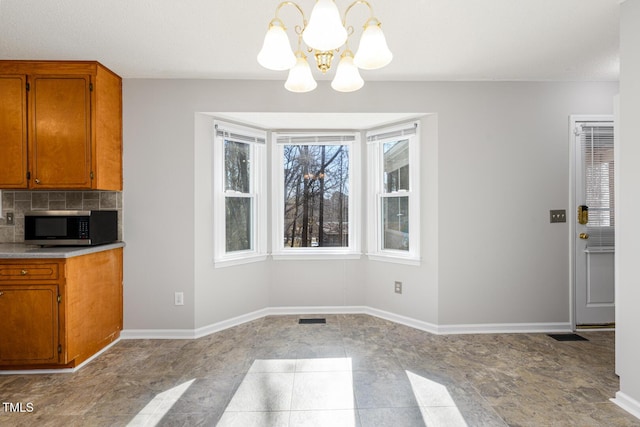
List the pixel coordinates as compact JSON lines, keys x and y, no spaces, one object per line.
{"x":324,"y":34}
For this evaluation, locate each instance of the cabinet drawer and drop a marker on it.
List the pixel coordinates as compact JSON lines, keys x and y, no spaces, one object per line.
{"x":9,"y":272}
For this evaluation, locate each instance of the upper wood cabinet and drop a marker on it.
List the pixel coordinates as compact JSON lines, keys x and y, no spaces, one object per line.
{"x":13,"y":131}
{"x":60,"y":126}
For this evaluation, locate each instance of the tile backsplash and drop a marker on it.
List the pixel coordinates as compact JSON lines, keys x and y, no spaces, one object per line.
{"x":20,"y":202}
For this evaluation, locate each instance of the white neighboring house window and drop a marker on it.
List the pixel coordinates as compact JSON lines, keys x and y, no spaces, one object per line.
{"x":316,"y":201}
{"x":239,"y":194}
{"x":394,"y":194}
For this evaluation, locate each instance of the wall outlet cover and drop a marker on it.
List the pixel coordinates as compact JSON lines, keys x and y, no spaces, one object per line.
{"x":179,"y":298}
{"x":398,"y":287}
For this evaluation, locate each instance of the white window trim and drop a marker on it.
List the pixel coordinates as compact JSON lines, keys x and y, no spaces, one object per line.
{"x":258,"y":191}
{"x":353,"y":251}
{"x":375,"y":158}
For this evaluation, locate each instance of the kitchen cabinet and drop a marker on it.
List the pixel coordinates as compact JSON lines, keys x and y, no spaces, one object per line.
{"x":13,"y":132}
{"x":60,"y":126}
{"x":30,"y":330}
{"x":57,"y":313}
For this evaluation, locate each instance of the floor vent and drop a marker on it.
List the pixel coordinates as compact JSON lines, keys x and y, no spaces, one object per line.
{"x":567,"y":337}
{"x":311,"y":321}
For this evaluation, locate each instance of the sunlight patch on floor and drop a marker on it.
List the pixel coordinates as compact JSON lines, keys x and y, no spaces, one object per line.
{"x":436,"y":404}
{"x":294,"y":392}
{"x":151,"y":414}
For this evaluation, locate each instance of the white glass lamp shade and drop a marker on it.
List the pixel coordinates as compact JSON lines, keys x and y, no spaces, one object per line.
{"x":347,"y":77}
{"x":325,"y":30}
{"x":300,"y":78}
{"x":373,"y":52}
{"x":276,"y":53}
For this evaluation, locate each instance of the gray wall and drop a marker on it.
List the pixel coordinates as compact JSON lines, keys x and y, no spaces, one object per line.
{"x":495,"y":159}
{"x":504,"y":163}
{"x":628,"y":206}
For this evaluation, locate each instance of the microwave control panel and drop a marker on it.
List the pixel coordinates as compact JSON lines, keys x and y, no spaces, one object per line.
{"x":83,"y":228}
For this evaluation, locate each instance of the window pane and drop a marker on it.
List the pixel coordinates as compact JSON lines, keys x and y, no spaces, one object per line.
{"x":395,"y":220}
{"x":316,"y":195}
{"x":238,"y":223}
{"x":236,"y":166}
{"x":396,"y":166}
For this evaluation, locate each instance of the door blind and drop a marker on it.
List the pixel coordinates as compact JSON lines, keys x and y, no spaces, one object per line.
{"x":596,"y":141}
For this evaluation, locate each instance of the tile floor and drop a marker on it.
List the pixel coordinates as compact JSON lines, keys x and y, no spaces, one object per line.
{"x":355,"y":371}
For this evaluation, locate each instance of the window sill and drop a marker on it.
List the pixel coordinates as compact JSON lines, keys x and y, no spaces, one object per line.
{"x":230,"y":262}
{"x":395,"y":259}
{"x":315,"y":254}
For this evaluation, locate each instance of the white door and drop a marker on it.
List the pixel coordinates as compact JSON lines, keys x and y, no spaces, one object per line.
{"x":595,"y":243}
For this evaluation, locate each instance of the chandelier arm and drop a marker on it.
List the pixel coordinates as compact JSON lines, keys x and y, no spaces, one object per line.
{"x":298,"y":29}
{"x":350,"y":31}
{"x":304,"y":18}
{"x":364,"y":2}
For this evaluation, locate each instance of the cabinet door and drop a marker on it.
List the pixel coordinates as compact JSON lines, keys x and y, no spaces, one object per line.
{"x":29,"y":318}
{"x":13,"y":132}
{"x":60,"y":131}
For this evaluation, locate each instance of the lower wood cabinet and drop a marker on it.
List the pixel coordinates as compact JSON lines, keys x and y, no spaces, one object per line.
{"x":30,"y":318}
{"x":57,"y":313}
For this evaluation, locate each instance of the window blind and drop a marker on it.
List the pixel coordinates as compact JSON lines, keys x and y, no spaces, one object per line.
{"x":402,"y":130}
{"x":320,"y":139}
{"x":240,"y":136}
{"x":596,"y":141}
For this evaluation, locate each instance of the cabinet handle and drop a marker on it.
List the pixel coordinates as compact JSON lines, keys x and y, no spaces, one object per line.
{"x":1,"y":293}
{"x":24,"y":272}
{"x":37,"y":181}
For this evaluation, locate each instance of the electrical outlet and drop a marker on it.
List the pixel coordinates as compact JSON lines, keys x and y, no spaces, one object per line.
{"x":179,"y":298}
{"x":10,"y":218}
{"x":398,"y":287}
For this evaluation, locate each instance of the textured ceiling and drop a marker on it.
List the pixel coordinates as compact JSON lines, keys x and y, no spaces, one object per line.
{"x":430,"y":39}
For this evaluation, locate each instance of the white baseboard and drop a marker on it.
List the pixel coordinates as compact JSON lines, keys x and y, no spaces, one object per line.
{"x":230,"y":323}
{"x":60,"y":371}
{"x":306,"y":310}
{"x":158,"y":334}
{"x":403,"y":320}
{"x":346,"y":309}
{"x":627,"y":403}
{"x":505,"y":328}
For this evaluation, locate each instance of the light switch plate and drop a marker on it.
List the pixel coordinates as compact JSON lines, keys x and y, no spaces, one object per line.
{"x":559,"y":215}
{"x":10,"y":218}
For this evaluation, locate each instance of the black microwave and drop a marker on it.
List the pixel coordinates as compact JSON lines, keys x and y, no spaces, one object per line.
{"x":70,"y":228}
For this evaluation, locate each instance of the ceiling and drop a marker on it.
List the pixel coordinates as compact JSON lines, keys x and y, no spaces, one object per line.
{"x":431,"y":39}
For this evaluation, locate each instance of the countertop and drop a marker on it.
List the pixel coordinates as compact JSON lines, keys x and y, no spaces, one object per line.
{"x":23,"y":251}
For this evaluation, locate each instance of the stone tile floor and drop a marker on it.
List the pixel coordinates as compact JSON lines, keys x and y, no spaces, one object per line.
{"x":355,"y":371}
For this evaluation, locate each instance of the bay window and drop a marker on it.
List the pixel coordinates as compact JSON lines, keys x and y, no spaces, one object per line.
{"x":239,"y":181}
{"x":315,"y":194}
{"x":394,"y":196}
{"x":316,"y":202}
